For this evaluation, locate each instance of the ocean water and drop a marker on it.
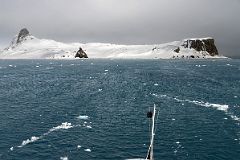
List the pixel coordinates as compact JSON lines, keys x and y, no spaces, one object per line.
{"x":96,"y":109}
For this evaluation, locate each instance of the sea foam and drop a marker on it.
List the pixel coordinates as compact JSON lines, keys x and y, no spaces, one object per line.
{"x":220,"y":107}
{"x":64,"y":125}
{"x":31,"y":140}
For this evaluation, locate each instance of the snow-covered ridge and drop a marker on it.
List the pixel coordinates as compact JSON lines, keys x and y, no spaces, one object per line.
{"x":26,"y":46}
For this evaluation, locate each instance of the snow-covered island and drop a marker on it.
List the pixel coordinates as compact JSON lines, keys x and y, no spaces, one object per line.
{"x":26,"y":46}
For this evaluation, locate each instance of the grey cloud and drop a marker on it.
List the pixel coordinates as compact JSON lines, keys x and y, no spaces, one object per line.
{"x":124,"y":21}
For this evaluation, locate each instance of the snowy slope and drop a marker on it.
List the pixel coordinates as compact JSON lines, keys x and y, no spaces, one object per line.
{"x":31,"y":47}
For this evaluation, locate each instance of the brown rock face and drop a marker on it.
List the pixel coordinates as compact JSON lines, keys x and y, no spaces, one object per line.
{"x":202,"y":45}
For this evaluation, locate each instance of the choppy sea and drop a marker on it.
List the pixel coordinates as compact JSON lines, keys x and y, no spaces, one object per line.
{"x":96,"y":109}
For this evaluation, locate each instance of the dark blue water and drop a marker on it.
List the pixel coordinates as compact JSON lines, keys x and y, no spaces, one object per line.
{"x":44,"y":106}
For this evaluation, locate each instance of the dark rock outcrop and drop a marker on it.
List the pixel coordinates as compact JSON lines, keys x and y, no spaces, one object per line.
{"x":81,"y":54}
{"x":18,"y":39}
{"x":192,"y":56}
{"x":177,"y":50}
{"x":206,"y":44}
{"x":22,"y":34}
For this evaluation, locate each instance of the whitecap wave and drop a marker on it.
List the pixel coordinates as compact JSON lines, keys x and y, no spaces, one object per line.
{"x":49,"y":67}
{"x":235,"y":118}
{"x":63,"y":158}
{"x":83,"y":117}
{"x":64,"y":125}
{"x":89,"y":126}
{"x":31,"y":140}
{"x":88,"y":150}
{"x":220,"y":107}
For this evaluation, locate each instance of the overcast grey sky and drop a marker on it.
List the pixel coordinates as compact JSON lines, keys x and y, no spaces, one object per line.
{"x":124,"y":21}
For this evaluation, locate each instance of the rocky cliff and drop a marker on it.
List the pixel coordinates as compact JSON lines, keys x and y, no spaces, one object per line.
{"x":22,"y":34}
{"x":204,"y":44}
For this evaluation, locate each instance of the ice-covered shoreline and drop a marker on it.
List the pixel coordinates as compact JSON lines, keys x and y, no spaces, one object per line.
{"x":26,"y":46}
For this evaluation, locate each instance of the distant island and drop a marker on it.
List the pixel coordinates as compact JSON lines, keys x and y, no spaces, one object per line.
{"x":26,"y":46}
